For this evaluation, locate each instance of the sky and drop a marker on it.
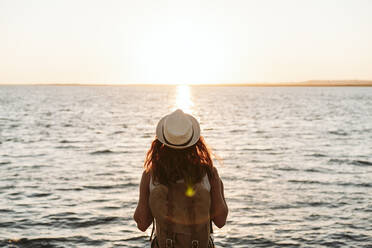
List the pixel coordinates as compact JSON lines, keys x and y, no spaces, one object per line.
{"x":184,"y":42}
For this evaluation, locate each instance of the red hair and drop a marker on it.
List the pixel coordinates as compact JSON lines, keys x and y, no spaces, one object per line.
{"x":169,"y":165}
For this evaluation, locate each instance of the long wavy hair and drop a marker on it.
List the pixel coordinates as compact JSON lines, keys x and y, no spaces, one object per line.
{"x":168,"y":165}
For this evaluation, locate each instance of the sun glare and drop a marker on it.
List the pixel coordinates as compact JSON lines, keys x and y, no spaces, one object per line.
{"x":180,"y":53}
{"x":183,"y":98}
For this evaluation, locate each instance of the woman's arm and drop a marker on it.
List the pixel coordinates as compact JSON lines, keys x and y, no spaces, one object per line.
{"x":143,"y":215}
{"x":219,"y":208}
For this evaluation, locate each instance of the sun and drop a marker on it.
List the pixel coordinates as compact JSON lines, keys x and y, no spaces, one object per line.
{"x":180,"y":53}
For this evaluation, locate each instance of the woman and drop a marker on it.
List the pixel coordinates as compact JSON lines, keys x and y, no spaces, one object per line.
{"x":180,"y":188}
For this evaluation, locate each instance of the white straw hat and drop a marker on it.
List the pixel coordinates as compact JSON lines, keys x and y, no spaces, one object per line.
{"x":178,"y":130}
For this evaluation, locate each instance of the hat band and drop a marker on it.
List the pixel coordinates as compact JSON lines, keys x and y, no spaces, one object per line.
{"x":169,"y":143}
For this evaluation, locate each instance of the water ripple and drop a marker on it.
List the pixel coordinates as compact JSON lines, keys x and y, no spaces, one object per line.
{"x":296,"y":163}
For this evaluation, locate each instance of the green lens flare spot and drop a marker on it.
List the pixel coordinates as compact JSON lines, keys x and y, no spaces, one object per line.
{"x":190,"y":192}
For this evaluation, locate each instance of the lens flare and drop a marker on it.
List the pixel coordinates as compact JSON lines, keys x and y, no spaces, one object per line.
{"x":190,"y":192}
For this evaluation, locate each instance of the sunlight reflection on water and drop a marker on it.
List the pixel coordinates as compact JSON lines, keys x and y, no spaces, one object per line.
{"x":183,"y":99}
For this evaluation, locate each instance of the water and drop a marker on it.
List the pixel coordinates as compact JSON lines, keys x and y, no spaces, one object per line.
{"x":297,"y":163}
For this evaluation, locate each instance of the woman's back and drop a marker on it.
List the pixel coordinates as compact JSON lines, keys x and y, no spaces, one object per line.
{"x":180,"y":188}
{"x":180,"y":217}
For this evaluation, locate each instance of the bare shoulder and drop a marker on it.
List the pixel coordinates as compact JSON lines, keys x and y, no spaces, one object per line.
{"x":146,"y":176}
{"x":215,"y":174}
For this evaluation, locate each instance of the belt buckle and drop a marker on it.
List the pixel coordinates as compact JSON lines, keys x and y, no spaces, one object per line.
{"x":195,"y":243}
{"x":169,"y":243}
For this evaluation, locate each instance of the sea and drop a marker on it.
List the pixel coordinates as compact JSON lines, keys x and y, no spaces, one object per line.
{"x":296,"y":162}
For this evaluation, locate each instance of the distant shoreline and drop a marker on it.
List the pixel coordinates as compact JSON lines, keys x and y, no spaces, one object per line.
{"x":312,"y":83}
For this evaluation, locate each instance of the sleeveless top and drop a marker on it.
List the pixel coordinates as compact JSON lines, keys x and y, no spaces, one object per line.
{"x":181,"y":219}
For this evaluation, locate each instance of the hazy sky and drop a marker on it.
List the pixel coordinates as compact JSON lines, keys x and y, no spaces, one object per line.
{"x":202,"y":41}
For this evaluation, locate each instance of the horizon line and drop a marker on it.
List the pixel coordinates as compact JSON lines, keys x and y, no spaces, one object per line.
{"x":324,"y":83}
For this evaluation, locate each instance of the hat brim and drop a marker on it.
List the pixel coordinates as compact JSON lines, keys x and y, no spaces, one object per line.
{"x":193,"y":140}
